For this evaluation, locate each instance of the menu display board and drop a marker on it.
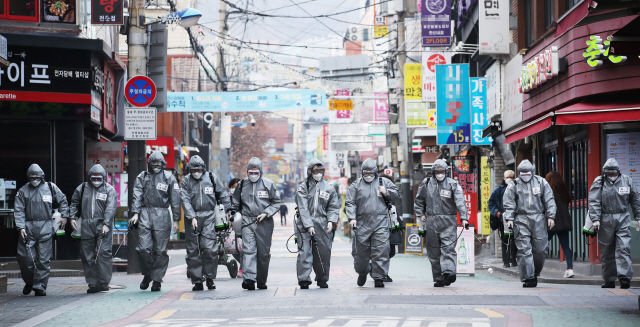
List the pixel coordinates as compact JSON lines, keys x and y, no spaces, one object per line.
{"x":625,"y":148}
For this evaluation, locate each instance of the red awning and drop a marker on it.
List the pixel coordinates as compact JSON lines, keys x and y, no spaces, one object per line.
{"x":598,"y":112}
{"x":531,"y":128}
{"x":572,"y":17}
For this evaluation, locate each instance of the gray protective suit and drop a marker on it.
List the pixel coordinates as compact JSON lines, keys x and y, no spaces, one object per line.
{"x":318,"y":204}
{"x":199,"y":199}
{"x":439,"y":202}
{"x":367,"y":207}
{"x":529,"y":205}
{"x":152,"y":196}
{"x":33,"y":213}
{"x":257,"y":198}
{"x":608,"y":204}
{"x":98,"y":209}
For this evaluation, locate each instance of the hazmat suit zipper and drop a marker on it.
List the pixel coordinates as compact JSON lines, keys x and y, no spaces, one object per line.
{"x":93,"y":201}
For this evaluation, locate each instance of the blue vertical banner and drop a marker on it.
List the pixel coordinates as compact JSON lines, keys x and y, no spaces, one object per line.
{"x":479,"y":117}
{"x":454,"y":111}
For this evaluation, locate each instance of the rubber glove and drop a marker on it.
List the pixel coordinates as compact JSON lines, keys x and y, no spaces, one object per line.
{"x":176,"y":227}
{"x":638,"y":227}
{"x":74,"y":224}
{"x":23,"y":232}
{"x":551,"y":223}
{"x":134,"y":219}
{"x":465,"y":224}
{"x":194,"y":223}
{"x":311,"y":231}
{"x":329,"y":227}
{"x":596,"y":224}
{"x":105,"y":230}
{"x":423,"y":218}
{"x":352,"y":222}
{"x":382,"y":189}
{"x":262,"y":217}
{"x":63,"y":223}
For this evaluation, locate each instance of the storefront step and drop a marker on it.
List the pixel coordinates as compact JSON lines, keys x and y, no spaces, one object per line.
{"x":54,"y":273}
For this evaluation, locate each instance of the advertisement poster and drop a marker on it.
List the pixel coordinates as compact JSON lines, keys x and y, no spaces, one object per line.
{"x":512,"y":111}
{"x":485,"y":193}
{"x":420,"y":114}
{"x":412,"y":82}
{"x":494,"y":26}
{"x":466,"y":252}
{"x":107,"y":154}
{"x":454,"y":112}
{"x":436,"y":22}
{"x":413,"y":240}
{"x":381,"y":108}
{"x":430,"y":60}
{"x":464,"y":171}
{"x":59,"y":11}
{"x":625,"y":148}
{"x":479,"y":117}
{"x":120,"y":185}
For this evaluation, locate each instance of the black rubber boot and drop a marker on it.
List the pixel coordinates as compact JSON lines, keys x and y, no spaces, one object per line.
{"x":41,"y":293}
{"x":197,"y":287}
{"x":262,"y":286}
{"x":532,"y":282}
{"x":448,"y":278}
{"x":249,"y":285}
{"x":625,"y":283}
{"x":104,"y":288}
{"x":323,"y":284}
{"x":304,"y":285}
{"x":362,"y":279}
{"x":156,"y":287}
{"x":145,"y":283}
{"x":438,"y":283}
{"x":379,"y":283}
{"x":27,"y":289}
{"x":609,"y":285}
{"x":210,"y":284}
{"x":387,"y":279}
{"x":93,"y":289}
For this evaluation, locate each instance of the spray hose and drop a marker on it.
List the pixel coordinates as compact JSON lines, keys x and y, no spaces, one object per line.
{"x":452,"y":243}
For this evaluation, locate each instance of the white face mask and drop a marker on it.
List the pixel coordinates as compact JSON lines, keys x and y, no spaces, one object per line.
{"x":526,"y":177}
{"x":197,"y":175}
{"x":157,"y":170}
{"x":369,"y":179}
{"x":254,"y":178}
{"x":507,"y":180}
{"x":612,"y":179}
{"x":317,"y":177}
{"x":35,"y":183}
{"x":440,"y":177}
{"x":97,"y":184}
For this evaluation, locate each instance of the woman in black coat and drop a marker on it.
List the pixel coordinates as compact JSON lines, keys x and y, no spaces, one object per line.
{"x":563,"y":223}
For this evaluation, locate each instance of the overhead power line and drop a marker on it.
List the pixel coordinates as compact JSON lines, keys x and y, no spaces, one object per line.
{"x":301,"y":17}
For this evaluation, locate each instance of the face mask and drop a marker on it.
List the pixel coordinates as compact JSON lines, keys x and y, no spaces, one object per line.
{"x":507,"y":180}
{"x":197,"y":175}
{"x":157,"y":170}
{"x":97,"y":184}
{"x":233,"y":190}
{"x":612,"y":179}
{"x":440,"y":177}
{"x":317,"y":177}
{"x":526,"y":177}
{"x":35,"y":183}
{"x":369,"y":179}
{"x":254,"y":178}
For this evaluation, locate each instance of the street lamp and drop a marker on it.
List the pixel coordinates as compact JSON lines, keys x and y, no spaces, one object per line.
{"x":185,"y":18}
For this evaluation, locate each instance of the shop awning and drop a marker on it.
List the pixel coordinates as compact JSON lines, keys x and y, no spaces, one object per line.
{"x":572,"y":17}
{"x":598,"y":112}
{"x":531,"y":128}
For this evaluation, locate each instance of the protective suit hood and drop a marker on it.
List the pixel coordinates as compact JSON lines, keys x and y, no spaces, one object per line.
{"x":197,"y":162}
{"x":98,"y":170}
{"x":439,"y":165}
{"x":157,"y":156}
{"x":255,"y":163}
{"x":611,"y":165}
{"x":369,"y":164}
{"x":310,"y":166}
{"x":525,"y":165}
{"x":35,"y":170}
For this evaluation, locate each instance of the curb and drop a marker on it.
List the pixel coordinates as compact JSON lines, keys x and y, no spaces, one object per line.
{"x":54,"y":273}
{"x":566,"y":281}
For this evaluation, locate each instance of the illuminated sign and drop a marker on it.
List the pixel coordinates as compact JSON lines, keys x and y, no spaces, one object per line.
{"x":596,"y":48}
{"x":539,"y":70}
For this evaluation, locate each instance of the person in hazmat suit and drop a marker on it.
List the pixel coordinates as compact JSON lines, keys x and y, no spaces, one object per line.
{"x":367,"y":211}
{"x":95,"y":203}
{"x":257,"y":199}
{"x":438,"y":201}
{"x":319,"y":208}
{"x":201,"y":193}
{"x":154,"y":192}
{"x":33,"y":212}
{"x":529,"y":209}
{"x":609,"y":199}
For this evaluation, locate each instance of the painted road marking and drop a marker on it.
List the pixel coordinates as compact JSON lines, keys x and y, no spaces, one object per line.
{"x":187,"y":296}
{"x":620,"y":291}
{"x":286,"y":291}
{"x":490,"y":313}
{"x":164,"y":314}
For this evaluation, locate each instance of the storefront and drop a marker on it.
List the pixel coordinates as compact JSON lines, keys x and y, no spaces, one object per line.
{"x":579,"y":108}
{"x":55,"y":99}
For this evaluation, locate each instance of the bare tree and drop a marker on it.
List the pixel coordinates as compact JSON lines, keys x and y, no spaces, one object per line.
{"x":247,"y":142}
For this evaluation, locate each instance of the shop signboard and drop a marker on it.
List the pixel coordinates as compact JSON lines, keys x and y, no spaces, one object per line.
{"x":625,"y":148}
{"x":412,"y":82}
{"x":164,"y":145}
{"x":420,"y":114}
{"x":512,"y":111}
{"x":494,"y":27}
{"x":493,"y":89}
{"x":485,"y":191}
{"x":540,"y":69}
{"x":453,"y":110}
{"x":107,"y":12}
{"x":107,"y":154}
{"x":381,"y":108}
{"x":464,"y":172}
{"x":479,"y":117}
{"x":429,"y":61}
{"x":465,"y":251}
{"x":597,"y":49}
{"x":59,"y":11}
{"x":436,"y":22}
{"x":413,"y":239}
{"x":245,"y":101}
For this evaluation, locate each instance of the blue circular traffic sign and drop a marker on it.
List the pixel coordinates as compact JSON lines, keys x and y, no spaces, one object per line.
{"x":140,"y":91}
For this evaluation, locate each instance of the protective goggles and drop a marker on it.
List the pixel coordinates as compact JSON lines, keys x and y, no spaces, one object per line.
{"x":196,"y":170}
{"x":317,"y":170}
{"x":97,"y":178}
{"x":156,"y":164}
{"x":253,"y":173}
{"x":611,"y":173}
{"x":440,"y":172}
{"x":368,"y":173}
{"x":34,"y":178}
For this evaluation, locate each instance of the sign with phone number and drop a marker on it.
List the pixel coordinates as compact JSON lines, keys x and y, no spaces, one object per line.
{"x":453,"y":108}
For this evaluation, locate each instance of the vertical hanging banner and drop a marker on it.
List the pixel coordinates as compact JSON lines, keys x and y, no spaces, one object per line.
{"x":464,"y":171}
{"x":494,"y":27}
{"x":412,"y":82}
{"x":479,"y":119}
{"x":381,"y":109}
{"x":429,"y":62}
{"x":325,"y":136}
{"x":436,"y":23}
{"x":453,"y":111}
{"x":485,"y":191}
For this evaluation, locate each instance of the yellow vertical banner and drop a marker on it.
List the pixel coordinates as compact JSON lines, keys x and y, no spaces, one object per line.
{"x":320,"y":146}
{"x":485,"y":188}
{"x":412,"y":81}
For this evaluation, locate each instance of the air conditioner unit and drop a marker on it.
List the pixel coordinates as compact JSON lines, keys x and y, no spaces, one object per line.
{"x":355,"y":34}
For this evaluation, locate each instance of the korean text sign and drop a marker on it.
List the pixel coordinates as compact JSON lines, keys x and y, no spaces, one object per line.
{"x":479,"y":119}
{"x":436,"y":22}
{"x":107,"y":12}
{"x":453,"y":108}
{"x":412,"y":82}
{"x":485,"y":191}
{"x":245,"y":101}
{"x":494,"y":26}
{"x":429,"y":62}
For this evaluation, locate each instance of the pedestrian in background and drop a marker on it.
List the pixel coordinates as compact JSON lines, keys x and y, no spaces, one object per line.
{"x":563,"y":223}
{"x":283,"y":214}
{"x":496,"y":208}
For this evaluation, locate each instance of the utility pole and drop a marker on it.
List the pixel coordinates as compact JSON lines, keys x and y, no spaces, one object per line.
{"x":137,"y":65}
{"x":405,"y":169}
{"x":215,"y":136}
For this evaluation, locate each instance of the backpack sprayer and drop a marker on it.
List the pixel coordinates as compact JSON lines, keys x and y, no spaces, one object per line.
{"x":588,"y":230}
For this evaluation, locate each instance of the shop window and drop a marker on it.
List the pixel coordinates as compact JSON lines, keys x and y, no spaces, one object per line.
{"x":19,"y":10}
{"x":528,"y":22}
{"x":549,"y":13}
